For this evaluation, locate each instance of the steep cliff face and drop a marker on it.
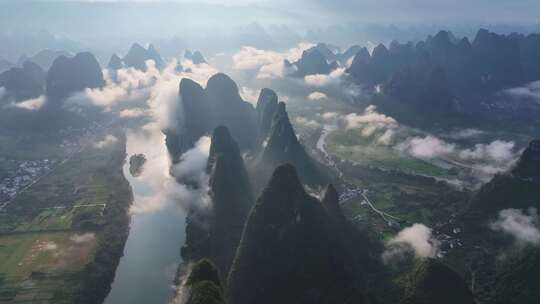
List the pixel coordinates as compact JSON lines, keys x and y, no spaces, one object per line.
{"x":69,"y":75}
{"x":528,"y":166}
{"x":23,"y":83}
{"x":231,"y":197}
{"x":266,"y":108}
{"x":202,"y":110}
{"x":231,"y":110}
{"x":283,"y":147}
{"x":290,"y":251}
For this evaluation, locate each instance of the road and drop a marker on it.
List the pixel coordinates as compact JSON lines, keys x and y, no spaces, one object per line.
{"x":321,"y":146}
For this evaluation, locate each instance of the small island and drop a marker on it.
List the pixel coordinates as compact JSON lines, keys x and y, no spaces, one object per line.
{"x":136,"y":164}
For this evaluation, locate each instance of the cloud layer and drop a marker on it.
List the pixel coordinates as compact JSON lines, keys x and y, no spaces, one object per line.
{"x":523,"y":226}
{"x":417,"y":239}
{"x":268,"y":64}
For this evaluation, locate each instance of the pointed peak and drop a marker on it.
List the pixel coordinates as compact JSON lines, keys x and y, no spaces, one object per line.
{"x":203,"y":270}
{"x":136,"y":47}
{"x":266,"y":96}
{"x":115,"y":62}
{"x":330,"y":195}
{"x":380,"y":50}
{"x":221,"y":136}
{"x":528,"y":165}
{"x":223,"y":146}
{"x":285,"y":177}
{"x":330,"y":201}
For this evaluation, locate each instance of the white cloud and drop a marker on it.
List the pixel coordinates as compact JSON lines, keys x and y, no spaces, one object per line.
{"x":192,"y":165}
{"x":427,"y":147}
{"x":307,"y":122}
{"x":249,"y":95}
{"x":386,"y":138}
{"x":317,"y":96}
{"x":30,"y":104}
{"x":320,"y":80}
{"x":108,"y":140}
{"x":133,"y":112}
{"x":268,"y":63}
{"x":159,"y":176}
{"x":531,"y":90}
{"x":132,"y":93}
{"x":498,"y":150}
{"x":524,"y":227}
{"x":417,"y":239}
{"x":370,"y":116}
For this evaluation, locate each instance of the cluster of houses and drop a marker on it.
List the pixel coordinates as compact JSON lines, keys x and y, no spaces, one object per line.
{"x":24,"y":174}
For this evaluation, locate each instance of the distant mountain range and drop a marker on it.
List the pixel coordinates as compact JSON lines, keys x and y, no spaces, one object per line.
{"x":447,"y":81}
{"x":136,"y":58}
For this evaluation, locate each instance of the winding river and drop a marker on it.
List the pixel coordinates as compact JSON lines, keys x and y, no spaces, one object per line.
{"x":152,"y":251}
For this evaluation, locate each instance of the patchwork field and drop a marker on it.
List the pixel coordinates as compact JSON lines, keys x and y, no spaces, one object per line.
{"x":409,"y":198}
{"x":348,"y":144}
{"x":53,"y":234}
{"x":38,"y":267}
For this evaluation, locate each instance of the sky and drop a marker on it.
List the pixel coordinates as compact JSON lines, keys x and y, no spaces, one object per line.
{"x":486,"y":11}
{"x":222,"y":24}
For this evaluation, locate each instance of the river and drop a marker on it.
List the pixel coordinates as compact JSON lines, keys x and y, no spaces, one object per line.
{"x":152,"y":252}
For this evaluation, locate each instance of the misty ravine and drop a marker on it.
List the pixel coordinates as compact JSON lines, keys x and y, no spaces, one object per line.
{"x":151,"y":255}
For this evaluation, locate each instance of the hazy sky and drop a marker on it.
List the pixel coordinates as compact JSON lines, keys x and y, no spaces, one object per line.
{"x":216,"y":23}
{"x":394,"y":11}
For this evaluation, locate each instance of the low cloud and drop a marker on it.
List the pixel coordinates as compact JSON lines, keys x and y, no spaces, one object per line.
{"x":30,"y":104}
{"x":268,"y":64}
{"x":317,"y":96}
{"x":161,"y":177}
{"x":308,"y":123}
{"x":152,"y":93}
{"x":134,"y":112}
{"x":386,"y":138}
{"x":369,"y":118}
{"x":523,"y":226}
{"x":108,"y":140}
{"x":321,"y":80}
{"x":427,"y":147}
{"x":531,"y":90}
{"x":481,"y":161}
{"x":417,"y":239}
{"x":249,"y":95}
{"x":192,"y":165}
{"x":498,"y":150}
